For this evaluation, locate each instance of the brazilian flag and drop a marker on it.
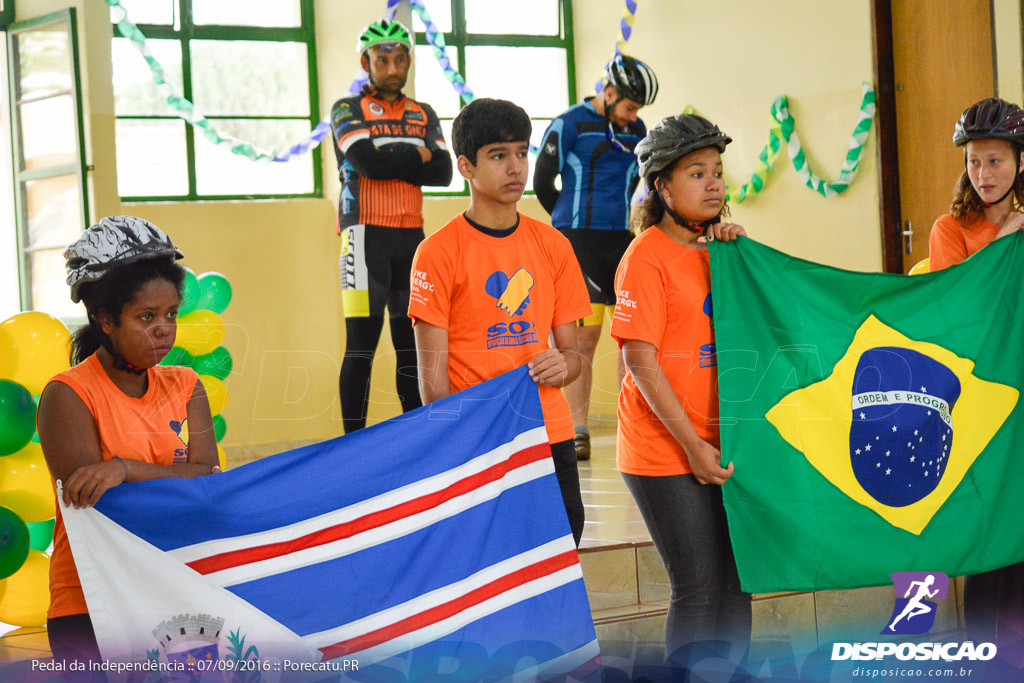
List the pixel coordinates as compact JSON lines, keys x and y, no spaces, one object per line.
{"x":874,"y":420}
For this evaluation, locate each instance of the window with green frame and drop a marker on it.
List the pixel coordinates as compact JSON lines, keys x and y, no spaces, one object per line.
{"x":51,"y":208}
{"x":521,"y":52}
{"x":249,"y":66}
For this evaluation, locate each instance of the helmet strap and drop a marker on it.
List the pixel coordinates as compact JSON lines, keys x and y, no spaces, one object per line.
{"x":698,"y":228}
{"x":119,"y":361}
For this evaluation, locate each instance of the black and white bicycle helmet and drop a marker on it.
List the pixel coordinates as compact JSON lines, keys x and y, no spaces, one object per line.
{"x":631,"y":79}
{"x":114,"y":241}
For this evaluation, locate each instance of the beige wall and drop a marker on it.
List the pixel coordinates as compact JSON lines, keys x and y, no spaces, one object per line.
{"x":1007,"y":15}
{"x":728,"y":60}
{"x":729,"y":64}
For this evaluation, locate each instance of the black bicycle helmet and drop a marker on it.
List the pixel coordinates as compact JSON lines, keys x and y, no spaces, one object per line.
{"x":631,"y":79}
{"x":675,"y":137}
{"x":991,"y":118}
{"x":114,"y":241}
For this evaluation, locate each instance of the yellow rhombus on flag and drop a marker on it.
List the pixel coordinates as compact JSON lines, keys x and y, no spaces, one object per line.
{"x":821,"y":422}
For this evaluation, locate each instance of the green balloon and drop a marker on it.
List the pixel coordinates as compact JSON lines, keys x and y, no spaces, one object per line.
{"x":14,"y":542}
{"x":219,"y":427}
{"x":35,"y":435}
{"x":189,"y":293}
{"x":40,"y":534}
{"x":178,"y":356}
{"x":214,"y":292}
{"x":217,"y":363}
{"x":17,"y":417}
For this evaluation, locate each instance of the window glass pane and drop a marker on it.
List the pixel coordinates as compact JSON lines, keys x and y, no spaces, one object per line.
{"x":440,"y":13}
{"x":48,"y":132}
{"x":531,"y":17}
{"x":246,"y":12}
{"x":533,"y":77}
{"x":431,"y":85}
{"x":135,"y":92}
{"x":219,"y":172}
{"x":242,"y":77}
{"x":458,"y":183}
{"x":149,"y":11}
{"x":47,"y":285}
{"x":54,"y":211}
{"x":151,"y":158}
{"x":539,"y":126}
{"x":44,"y":59}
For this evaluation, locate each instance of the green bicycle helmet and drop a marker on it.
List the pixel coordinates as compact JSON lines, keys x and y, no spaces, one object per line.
{"x":384,"y":32}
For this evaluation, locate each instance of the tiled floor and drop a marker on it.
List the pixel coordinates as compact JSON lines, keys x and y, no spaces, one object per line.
{"x":612,"y":519}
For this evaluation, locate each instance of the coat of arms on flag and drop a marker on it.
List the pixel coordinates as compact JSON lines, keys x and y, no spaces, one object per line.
{"x":436,"y":537}
{"x":873,"y":419}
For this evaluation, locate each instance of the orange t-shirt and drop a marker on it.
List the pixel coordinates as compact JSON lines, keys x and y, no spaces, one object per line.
{"x":663,"y":297}
{"x":153,"y":428}
{"x":950,"y":241}
{"x":499,"y":297}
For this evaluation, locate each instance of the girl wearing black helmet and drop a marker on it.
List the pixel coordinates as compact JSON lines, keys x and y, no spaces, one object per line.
{"x":116,"y":415}
{"x":987,"y":204}
{"x":989,"y":194}
{"x":668,"y":438}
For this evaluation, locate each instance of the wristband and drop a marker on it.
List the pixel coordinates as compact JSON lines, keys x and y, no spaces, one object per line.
{"x":124,"y":465}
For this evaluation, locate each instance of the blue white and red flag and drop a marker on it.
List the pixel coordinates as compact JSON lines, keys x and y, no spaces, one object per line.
{"x":433,"y":543}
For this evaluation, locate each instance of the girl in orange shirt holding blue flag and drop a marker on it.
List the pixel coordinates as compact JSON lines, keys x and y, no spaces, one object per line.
{"x":668,"y":435}
{"x":117,"y":415}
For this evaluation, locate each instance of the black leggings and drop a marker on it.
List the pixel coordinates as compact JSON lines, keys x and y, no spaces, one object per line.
{"x":688,"y":526}
{"x":72,"y":639}
{"x":566,"y":470}
{"x":362,"y":335}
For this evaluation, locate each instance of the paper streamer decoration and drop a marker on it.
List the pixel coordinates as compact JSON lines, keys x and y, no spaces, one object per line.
{"x":783,"y":128}
{"x":436,"y":40}
{"x":187,"y":111}
{"x":780,"y":112}
{"x":626,"y":29}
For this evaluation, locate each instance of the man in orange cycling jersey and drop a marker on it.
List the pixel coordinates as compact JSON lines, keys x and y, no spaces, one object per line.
{"x":388,"y":146}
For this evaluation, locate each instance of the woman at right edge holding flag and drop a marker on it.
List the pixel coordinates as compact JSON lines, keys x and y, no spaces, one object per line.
{"x":668,"y":434}
{"x":987,"y":202}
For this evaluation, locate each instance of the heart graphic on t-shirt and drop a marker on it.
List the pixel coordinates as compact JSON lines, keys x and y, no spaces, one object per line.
{"x":181,"y":429}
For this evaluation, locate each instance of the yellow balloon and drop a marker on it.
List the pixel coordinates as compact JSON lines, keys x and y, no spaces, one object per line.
{"x":200,"y":332}
{"x":222,"y":459}
{"x":216,"y":393}
{"x":34,"y":347}
{"x":25,"y":485}
{"x":25,"y":595}
{"x":920,"y":268}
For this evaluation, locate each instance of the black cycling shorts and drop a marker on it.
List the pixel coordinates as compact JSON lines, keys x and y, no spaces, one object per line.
{"x":599,"y":253}
{"x":375,"y":264}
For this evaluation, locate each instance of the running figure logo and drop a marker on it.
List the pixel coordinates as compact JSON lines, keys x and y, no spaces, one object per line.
{"x":914,"y":613}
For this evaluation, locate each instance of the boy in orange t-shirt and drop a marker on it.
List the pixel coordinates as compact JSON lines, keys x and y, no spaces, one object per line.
{"x":491,"y":287}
